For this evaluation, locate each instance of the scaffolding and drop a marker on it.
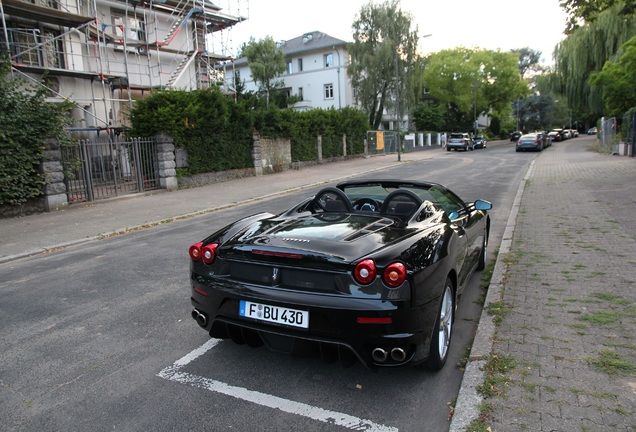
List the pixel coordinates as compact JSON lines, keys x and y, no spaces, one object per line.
{"x":103,"y":54}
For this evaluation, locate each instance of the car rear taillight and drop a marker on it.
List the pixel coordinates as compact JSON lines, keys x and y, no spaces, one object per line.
{"x":195,"y":252}
{"x":365,"y":272}
{"x":207,"y":252}
{"x":395,"y":274}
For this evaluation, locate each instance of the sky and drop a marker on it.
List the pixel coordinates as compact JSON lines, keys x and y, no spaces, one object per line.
{"x":487,"y":24}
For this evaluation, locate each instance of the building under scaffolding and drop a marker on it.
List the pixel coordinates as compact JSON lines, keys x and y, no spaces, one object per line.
{"x":103,"y":54}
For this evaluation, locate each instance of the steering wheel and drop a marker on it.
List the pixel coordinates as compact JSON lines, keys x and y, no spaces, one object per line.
{"x":331,"y":193}
{"x":366,"y":204}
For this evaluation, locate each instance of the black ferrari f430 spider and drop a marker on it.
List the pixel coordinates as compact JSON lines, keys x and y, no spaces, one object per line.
{"x":368,"y":270}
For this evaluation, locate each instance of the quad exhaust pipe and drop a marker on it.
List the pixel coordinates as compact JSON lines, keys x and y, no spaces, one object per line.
{"x":398,"y":354}
{"x":380,"y":355}
{"x":200,"y":317}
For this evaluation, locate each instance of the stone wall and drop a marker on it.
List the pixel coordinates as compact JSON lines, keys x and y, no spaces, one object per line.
{"x":271,"y":154}
{"x":214,"y":177}
{"x":276,"y":154}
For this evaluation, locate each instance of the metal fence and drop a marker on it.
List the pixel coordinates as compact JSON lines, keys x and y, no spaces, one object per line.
{"x":385,"y":142}
{"x":628,"y":130}
{"x":105,"y":169}
{"x":382,"y":142}
{"x":607,"y":135}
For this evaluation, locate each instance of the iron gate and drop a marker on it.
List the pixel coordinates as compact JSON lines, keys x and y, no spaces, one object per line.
{"x":105,"y":169}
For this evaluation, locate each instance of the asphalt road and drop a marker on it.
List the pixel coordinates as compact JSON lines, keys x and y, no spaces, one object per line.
{"x":99,"y":336}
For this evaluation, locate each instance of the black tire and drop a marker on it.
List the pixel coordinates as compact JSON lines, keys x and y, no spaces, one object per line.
{"x":483,"y":255}
{"x":440,"y":342}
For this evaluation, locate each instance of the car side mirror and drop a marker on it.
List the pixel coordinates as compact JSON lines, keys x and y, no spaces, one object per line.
{"x":482,"y":205}
{"x":453,"y":215}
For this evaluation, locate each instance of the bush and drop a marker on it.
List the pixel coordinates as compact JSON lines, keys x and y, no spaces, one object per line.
{"x":26,"y":122}
{"x":217,"y":131}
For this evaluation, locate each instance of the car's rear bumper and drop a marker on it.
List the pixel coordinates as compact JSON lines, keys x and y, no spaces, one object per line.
{"x":456,"y":145}
{"x":528,"y":147}
{"x":334,"y":328}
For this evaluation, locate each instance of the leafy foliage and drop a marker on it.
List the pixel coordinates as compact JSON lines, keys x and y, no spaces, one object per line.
{"x":586,"y":11}
{"x":266,"y":62}
{"x":473,"y":81}
{"x":303,"y":128}
{"x":584,"y":52}
{"x":535,"y":112}
{"x":528,"y":61}
{"x":384,"y":47}
{"x":429,"y":117}
{"x":217,"y":131}
{"x":26,"y":122}
{"x":616,"y":81}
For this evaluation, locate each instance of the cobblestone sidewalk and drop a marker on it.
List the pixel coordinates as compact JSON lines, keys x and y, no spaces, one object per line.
{"x":566,"y":343}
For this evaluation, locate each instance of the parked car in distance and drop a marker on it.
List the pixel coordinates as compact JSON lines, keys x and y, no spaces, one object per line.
{"x":459,"y":141}
{"x":369,"y":270}
{"x":556,"y":134}
{"x":532,"y":142}
{"x":479,"y":141}
{"x":573,"y":133}
{"x":514,"y":136}
{"x":592,"y":131}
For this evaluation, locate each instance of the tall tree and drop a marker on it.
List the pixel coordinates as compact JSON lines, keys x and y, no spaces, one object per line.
{"x":586,"y":11}
{"x":528,"y":60}
{"x":383,"y":58}
{"x":584,"y":52}
{"x":470,"y":82}
{"x":266,"y":63}
{"x":616,"y":81}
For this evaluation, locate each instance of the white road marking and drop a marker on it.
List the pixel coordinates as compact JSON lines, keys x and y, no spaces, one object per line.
{"x":173,"y":373}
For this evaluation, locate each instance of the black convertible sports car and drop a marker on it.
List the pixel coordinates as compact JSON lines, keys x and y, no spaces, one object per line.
{"x":369,"y":270}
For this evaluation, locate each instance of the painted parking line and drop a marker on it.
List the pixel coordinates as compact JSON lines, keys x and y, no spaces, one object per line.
{"x":174,"y":373}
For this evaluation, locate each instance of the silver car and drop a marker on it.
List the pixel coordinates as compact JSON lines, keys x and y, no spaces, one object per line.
{"x":460,"y":141}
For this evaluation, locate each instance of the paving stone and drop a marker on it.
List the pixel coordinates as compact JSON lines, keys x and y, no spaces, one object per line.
{"x":569,"y":286}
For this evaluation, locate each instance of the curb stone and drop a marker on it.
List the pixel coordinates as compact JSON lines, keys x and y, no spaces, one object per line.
{"x":467,"y":406}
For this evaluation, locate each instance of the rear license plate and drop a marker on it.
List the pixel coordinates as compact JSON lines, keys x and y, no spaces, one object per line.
{"x":274,"y":314}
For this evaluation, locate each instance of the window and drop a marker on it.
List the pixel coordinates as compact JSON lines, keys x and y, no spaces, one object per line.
{"x":133,"y":26}
{"x":328,"y":60}
{"x":300,"y":65}
{"x":52,"y":49}
{"x":289,"y":67}
{"x":328,"y":91}
{"x":23,"y":41}
{"x":35,"y":47}
{"x":300,"y":93}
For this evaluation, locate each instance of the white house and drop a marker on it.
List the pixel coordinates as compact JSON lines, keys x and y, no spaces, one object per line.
{"x":316,"y":71}
{"x":102,"y":54}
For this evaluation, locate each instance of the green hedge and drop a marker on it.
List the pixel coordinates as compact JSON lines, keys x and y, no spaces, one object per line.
{"x":26,"y":122}
{"x":217,"y":131}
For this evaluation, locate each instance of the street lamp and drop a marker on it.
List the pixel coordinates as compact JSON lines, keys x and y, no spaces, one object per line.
{"x":397,"y":99}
